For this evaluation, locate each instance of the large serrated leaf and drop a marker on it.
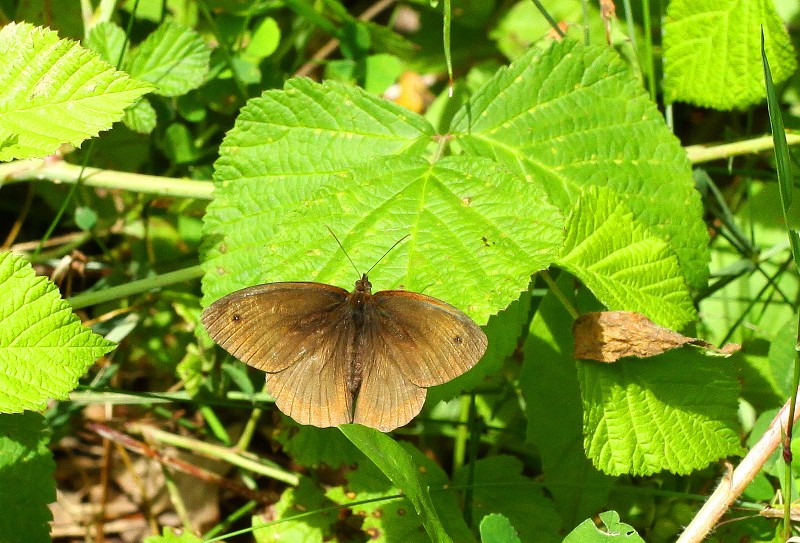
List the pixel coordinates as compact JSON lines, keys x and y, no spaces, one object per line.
{"x":174,"y":58}
{"x":311,"y":129}
{"x":285,"y":145}
{"x":43,"y":347}
{"x":572,"y":116}
{"x":676,"y":412}
{"x":622,"y":263}
{"x":26,"y":479}
{"x":476,"y":232}
{"x":54,"y":92}
{"x":712,"y":51}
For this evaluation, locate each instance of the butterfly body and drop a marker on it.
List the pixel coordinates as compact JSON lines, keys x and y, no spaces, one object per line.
{"x":335,"y":357}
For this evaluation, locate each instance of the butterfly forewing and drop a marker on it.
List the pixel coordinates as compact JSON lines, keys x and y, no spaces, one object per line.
{"x":272,"y":326}
{"x":430,"y":341}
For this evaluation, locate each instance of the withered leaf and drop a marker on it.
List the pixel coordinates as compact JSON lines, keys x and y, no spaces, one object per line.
{"x":607,"y":336}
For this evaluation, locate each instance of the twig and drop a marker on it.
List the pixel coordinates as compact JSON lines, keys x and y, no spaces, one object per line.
{"x":204,"y":475}
{"x":327,"y":49}
{"x":733,"y":484}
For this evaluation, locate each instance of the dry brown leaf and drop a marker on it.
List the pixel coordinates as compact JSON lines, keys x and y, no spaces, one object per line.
{"x":607,"y":336}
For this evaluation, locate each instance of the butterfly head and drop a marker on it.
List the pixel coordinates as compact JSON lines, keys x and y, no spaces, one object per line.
{"x":363,"y":286}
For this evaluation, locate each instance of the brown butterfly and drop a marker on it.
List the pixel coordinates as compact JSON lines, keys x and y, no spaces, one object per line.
{"x":335,"y":357}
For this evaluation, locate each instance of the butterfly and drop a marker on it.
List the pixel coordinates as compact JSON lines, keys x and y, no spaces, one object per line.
{"x":335,"y":357}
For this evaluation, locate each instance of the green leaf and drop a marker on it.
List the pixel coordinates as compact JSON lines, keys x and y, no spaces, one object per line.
{"x":310,"y":446}
{"x":306,"y":497}
{"x":179,"y":144}
{"x":175,"y":58}
{"x":169,"y":536}
{"x":264,"y":40}
{"x":381,"y":72}
{"x":500,"y":487}
{"x":399,"y":466}
{"x":106,"y":39}
{"x":496,"y":528}
{"x":391,"y":519}
{"x":712,"y":51}
{"x":549,"y":383}
{"x":141,"y":118}
{"x":309,"y":130}
{"x":284,"y":146}
{"x":782,"y":356}
{"x":468,"y":244}
{"x":54,"y":92}
{"x":613,"y":531}
{"x":622,"y":263}
{"x":26,"y":479}
{"x":676,"y":412}
{"x":43,"y":347}
{"x":572,"y":116}
{"x":85,"y":217}
{"x":782,"y":158}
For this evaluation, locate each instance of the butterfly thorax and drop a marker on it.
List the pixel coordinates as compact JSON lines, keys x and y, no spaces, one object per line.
{"x":358,"y":300}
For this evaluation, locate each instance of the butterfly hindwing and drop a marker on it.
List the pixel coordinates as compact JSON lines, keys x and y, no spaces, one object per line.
{"x":387,"y":399}
{"x":314,"y":389}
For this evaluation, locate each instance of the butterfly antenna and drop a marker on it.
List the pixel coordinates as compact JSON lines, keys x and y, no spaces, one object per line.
{"x":396,"y":243}
{"x":344,"y":250}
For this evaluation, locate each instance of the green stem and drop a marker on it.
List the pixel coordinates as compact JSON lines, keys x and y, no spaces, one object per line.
{"x":140,"y":286}
{"x":549,"y":18}
{"x":59,"y":171}
{"x":699,"y":153}
{"x":462,"y":433}
{"x":250,"y":428}
{"x":788,"y":479}
{"x":544,"y":274}
{"x":227,"y":454}
{"x":474,"y":441}
{"x":648,"y":50}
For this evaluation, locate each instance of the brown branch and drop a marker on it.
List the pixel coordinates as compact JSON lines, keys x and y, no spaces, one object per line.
{"x":327,"y":49}
{"x":144,"y":449}
{"x":733,"y":483}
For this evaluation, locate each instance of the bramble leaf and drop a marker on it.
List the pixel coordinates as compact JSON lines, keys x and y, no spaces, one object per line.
{"x":676,"y":412}
{"x":712,"y":52}
{"x":572,"y":116}
{"x":55,"y":91}
{"x":43,"y":347}
{"x":174,"y":58}
{"x":622,"y":263}
{"x":26,"y":477}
